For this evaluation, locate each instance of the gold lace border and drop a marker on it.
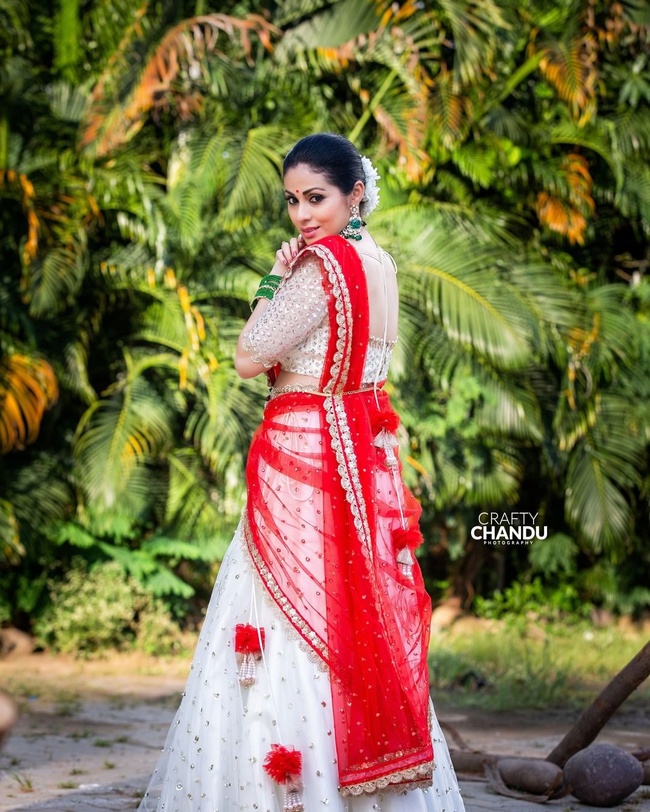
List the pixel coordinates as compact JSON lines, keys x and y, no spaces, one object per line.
{"x":401,"y":781}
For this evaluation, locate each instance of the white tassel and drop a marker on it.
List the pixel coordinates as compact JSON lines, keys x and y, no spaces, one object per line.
{"x":247,"y":670}
{"x":405,"y":562}
{"x":388,"y":442}
{"x":293,"y":801}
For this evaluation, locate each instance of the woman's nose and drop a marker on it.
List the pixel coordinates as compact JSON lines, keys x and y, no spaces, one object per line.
{"x":304,"y":210}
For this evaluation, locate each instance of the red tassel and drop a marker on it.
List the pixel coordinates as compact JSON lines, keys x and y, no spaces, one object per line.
{"x":249,"y":643}
{"x":410,"y":537}
{"x":248,"y":639}
{"x":386,"y":419}
{"x":284,"y":765}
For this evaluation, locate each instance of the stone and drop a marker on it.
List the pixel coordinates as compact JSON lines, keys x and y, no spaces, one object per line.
{"x":646,"y":771}
{"x":603,"y":775}
{"x":530,"y":775}
{"x":445,"y":614}
{"x":14,"y":643}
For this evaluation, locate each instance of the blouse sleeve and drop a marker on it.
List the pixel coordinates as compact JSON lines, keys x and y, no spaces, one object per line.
{"x":298,"y":307}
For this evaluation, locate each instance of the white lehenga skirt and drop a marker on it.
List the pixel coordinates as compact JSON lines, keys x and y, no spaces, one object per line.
{"x":213,"y":755}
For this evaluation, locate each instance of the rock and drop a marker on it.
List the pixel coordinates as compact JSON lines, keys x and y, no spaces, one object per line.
{"x":603,"y":775}
{"x":14,"y":643}
{"x":530,"y":774}
{"x":445,"y":614}
{"x":602,"y":617}
{"x":646,"y":772}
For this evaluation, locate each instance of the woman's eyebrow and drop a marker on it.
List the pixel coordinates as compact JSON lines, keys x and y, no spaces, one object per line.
{"x":307,"y":191}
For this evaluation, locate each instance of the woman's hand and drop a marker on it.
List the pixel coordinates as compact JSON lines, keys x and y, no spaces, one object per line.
{"x":288,"y":251}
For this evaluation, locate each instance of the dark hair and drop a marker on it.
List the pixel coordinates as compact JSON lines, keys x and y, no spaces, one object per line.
{"x":332,"y":155}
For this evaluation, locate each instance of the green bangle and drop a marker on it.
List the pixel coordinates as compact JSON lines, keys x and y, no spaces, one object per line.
{"x":271,"y":278}
{"x":267,"y":288}
{"x":270,"y":281}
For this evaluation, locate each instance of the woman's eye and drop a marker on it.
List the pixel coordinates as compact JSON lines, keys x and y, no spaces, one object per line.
{"x":316,"y":198}
{"x":291,"y":200}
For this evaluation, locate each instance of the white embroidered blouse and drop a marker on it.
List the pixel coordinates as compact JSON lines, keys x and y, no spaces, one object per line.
{"x":294,"y":329}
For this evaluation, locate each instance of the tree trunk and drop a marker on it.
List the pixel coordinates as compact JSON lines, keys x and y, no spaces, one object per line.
{"x":67,"y":39}
{"x":596,"y":716}
{"x":4,"y":141}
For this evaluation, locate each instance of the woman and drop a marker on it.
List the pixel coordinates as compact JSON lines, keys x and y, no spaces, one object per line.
{"x":309,"y":687}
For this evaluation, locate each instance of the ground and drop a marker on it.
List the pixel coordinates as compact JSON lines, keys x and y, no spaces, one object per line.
{"x":90,"y":732}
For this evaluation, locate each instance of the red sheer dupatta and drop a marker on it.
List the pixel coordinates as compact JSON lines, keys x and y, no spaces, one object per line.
{"x":322,"y":530}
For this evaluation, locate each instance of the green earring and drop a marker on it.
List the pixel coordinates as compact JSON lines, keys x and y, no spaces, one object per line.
{"x":353,"y":229}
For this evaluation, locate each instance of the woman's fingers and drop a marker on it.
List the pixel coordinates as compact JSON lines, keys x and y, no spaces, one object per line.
{"x":289,"y":250}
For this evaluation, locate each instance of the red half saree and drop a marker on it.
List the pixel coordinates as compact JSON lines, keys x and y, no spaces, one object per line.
{"x":324,"y":535}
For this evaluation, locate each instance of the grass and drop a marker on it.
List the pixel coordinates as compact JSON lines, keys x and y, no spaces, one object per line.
{"x":514,"y":664}
{"x":67,"y":703}
{"x":24,"y":782}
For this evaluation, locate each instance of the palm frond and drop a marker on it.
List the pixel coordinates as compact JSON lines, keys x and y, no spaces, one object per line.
{"x":509,"y":409}
{"x":222,"y":422}
{"x":39,"y":494}
{"x":596,"y":138}
{"x":497,"y":482}
{"x":141,"y":565}
{"x":111,"y":26}
{"x":28,"y":387}
{"x":631,"y":131}
{"x":75,"y":377}
{"x":604,"y":467}
{"x":402,"y":121}
{"x":67,"y":102}
{"x":462,"y":291}
{"x":11,"y":549}
{"x":552,"y":302}
{"x":449,"y":111}
{"x":183,"y":48}
{"x":475,"y":162}
{"x":474,"y":25}
{"x":196,"y":509}
{"x":255,"y":165}
{"x":633,"y":198}
{"x":14,"y":19}
{"x":330,"y":27}
{"x":594,"y":505}
{"x":568,"y":215}
{"x":56,"y":274}
{"x":568,"y":67}
{"x":18,"y":185}
{"x":117,"y":438}
{"x":612,"y":335}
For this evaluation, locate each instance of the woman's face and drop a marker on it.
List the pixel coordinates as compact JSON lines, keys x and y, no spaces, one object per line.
{"x":316,"y":207}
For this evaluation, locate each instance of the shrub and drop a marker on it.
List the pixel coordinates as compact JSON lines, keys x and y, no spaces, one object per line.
{"x":102,"y":608}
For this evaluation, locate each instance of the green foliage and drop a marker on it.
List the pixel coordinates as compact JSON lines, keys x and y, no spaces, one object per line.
{"x":502,"y":665}
{"x":139,"y":211}
{"x":526,"y":600}
{"x":94,"y":610}
{"x":501,"y":670}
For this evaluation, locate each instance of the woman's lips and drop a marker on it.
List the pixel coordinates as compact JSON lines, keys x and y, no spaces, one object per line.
{"x":309,"y":232}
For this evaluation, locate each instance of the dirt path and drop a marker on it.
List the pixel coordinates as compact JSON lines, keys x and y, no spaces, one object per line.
{"x":89,"y":735}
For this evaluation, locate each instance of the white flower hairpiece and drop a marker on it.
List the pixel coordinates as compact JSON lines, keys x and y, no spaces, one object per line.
{"x":371,"y":195}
